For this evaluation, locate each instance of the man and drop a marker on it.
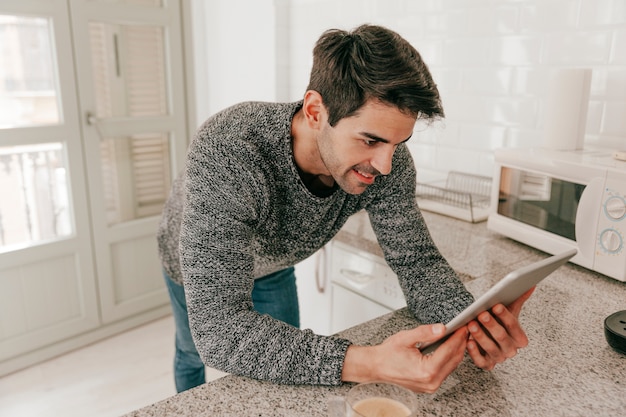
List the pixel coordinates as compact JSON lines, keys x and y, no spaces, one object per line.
{"x":267,"y":185}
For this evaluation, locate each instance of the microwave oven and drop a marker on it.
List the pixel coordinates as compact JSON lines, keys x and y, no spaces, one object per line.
{"x":556,"y":200}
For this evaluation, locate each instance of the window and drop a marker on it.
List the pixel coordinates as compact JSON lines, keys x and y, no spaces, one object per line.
{"x":28,"y":81}
{"x":34,"y":178}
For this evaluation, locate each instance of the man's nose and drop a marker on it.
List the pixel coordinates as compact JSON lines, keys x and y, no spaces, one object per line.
{"x":382,"y":159}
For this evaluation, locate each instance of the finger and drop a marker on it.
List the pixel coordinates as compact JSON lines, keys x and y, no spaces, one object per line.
{"x":485,"y":340}
{"x":455,"y":343}
{"x":421,"y":334}
{"x":448,"y":356}
{"x":504,"y":344}
{"x":512,"y":326}
{"x":480,"y":359}
{"x":415,"y":337}
{"x":422,"y":373}
{"x":451,"y":352}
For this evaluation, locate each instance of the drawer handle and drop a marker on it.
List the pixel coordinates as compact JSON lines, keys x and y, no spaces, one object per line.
{"x":320,"y":275}
{"x":356,"y":278}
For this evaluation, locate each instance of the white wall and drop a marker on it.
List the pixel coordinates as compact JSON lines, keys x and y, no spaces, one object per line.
{"x":490,"y":59}
{"x":235,"y":53}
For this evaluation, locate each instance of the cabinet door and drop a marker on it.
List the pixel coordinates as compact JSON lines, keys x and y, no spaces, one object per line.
{"x":314,"y":293}
{"x":47,"y":280}
{"x":350,"y":309}
{"x":130,"y":69}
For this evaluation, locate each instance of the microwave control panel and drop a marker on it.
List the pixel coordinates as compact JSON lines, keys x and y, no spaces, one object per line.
{"x":612,"y":224}
{"x":609,"y":213}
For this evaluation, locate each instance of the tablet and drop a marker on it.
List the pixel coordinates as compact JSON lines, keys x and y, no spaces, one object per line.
{"x":505,"y":291}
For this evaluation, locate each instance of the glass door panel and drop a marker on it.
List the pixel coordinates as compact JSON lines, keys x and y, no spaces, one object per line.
{"x":29,"y":91}
{"x":39,"y":210}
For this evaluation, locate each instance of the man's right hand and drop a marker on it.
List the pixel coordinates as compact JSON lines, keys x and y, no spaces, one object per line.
{"x":398,"y":360}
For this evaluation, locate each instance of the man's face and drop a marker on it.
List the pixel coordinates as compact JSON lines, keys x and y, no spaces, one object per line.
{"x":361,"y":147}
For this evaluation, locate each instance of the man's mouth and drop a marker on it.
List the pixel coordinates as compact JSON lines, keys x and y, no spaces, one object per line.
{"x":364,"y":177}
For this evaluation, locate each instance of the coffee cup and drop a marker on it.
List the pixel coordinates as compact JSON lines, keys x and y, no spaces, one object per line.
{"x":380,"y":399}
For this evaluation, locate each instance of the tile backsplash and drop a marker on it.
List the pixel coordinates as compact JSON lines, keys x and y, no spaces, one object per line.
{"x":490,"y":59}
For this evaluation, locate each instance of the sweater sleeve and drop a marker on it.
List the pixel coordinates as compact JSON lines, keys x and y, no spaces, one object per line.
{"x":433,"y":291}
{"x":221,"y":208}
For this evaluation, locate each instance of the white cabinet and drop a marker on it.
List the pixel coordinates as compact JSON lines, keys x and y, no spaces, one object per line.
{"x":350,"y":309}
{"x":363,"y":286}
{"x":342,"y":286}
{"x":314,"y":293}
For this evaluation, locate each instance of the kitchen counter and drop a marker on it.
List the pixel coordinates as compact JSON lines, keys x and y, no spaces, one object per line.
{"x":567,"y":370}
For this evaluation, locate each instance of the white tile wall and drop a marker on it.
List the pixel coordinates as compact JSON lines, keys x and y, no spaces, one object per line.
{"x":235,"y":53}
{"x":490,"y":59}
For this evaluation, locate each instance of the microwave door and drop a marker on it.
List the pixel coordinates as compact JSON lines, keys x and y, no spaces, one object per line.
{"x":539,"y":200}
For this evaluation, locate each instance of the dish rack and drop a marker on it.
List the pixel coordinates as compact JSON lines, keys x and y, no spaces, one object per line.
{"x":463,"y":196}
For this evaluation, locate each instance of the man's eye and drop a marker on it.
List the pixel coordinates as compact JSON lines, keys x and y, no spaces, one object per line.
{"x":369,"y":142}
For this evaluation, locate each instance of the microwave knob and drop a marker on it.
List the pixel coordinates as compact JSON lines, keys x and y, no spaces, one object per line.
{"x":615,"y":208}
{"x":611,"y":240}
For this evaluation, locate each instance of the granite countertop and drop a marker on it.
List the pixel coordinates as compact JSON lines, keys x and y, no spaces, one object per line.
{"x":567,"y":370}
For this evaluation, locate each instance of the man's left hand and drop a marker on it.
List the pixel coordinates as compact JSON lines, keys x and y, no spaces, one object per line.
{"x":496,"y":335}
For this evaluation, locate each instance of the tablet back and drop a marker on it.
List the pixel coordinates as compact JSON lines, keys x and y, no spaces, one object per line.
{"x":512,"y":286}
{"x":505,"y":291}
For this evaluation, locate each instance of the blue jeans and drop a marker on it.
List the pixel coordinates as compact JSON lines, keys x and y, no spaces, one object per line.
{"x":274,"y":294}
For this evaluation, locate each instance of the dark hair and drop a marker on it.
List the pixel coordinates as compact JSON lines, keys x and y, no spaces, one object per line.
{"x":371,"y":62}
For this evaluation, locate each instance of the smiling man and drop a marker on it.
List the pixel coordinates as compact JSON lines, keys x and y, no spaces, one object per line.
{"x":354,"y":152}
{"x":268,"y":184}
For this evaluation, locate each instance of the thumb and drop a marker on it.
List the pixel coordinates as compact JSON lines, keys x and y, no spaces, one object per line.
{"x":421,"y":334}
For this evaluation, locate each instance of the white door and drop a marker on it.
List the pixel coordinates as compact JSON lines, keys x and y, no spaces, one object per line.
{"x":47,"y":280}
{"x":130,"y":68}
{"x":92,"y":130}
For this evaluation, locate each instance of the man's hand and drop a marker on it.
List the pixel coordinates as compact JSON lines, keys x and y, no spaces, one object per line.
{"x":398,"y":360}
{"x":497,"y":336}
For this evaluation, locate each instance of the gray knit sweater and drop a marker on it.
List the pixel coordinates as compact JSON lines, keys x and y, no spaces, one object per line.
{"x":240,"y":211}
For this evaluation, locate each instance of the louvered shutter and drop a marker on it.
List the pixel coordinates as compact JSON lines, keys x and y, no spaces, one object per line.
{"x":129,"y":81}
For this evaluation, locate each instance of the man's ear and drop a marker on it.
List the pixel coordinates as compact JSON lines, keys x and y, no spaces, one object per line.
{"x":314,"y":110}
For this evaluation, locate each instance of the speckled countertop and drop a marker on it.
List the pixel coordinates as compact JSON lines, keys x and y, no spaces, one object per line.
{"x":568,"y":369}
